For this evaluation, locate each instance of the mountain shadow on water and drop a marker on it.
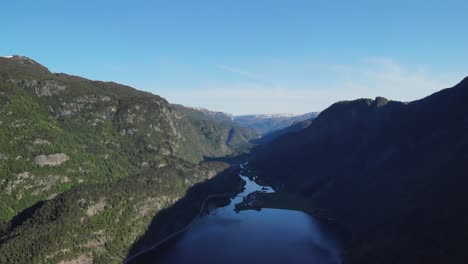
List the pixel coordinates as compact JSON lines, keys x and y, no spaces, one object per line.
{"x":178,"y":216}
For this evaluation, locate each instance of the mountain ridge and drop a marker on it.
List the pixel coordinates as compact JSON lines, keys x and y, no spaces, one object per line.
{"x":85,"y":165}
{"x":385,"y":170}
{"x":267,"y":123}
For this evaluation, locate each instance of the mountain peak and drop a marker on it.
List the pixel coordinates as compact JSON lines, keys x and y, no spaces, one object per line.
{"x":22,"y":59}
{"x":19,"y":58}
{"x":380,"y":101}
{"x":23,"y":64}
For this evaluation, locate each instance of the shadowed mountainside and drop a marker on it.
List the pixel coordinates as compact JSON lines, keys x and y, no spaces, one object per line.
{"x":226,"y":184}
{"x":295,"y":127}
{"x":394,"y":174}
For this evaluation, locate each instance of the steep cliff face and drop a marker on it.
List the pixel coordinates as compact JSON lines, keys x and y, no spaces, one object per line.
{"x":105,"y":131}
{"x":387,"y":171}
{"x":61,"y":132}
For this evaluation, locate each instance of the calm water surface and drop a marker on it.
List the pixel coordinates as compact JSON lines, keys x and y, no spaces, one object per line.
{"x":265,"y":236}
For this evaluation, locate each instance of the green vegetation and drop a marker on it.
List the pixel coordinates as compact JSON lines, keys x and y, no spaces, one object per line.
{"x":99,"y":220}
{"x":67,"y":142}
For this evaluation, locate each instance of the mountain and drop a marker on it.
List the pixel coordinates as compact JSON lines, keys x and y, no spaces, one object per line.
{"x":85,"y":165}
{"x":265,"y":124}
{"x":295,"y":127}
{"x":203,"y":113}
{"x":237,"y":136}
{"x":393,"y":174}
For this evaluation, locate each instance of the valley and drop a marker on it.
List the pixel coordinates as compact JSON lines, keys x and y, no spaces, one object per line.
{"x":99,"y":172}
{"x":250,"y":236}
{"x":252,"y":132}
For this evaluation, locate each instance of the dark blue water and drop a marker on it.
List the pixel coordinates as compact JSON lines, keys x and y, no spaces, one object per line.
{"x":265,"y":236}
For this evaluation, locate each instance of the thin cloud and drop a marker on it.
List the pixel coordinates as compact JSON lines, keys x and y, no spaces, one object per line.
{"x":368,"y":78}
{"x":240,"y":72}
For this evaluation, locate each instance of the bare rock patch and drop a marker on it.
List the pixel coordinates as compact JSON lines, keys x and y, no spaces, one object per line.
{"x":82,"y":259}
{"x":97,"y":207}
{"x":51,"y":160}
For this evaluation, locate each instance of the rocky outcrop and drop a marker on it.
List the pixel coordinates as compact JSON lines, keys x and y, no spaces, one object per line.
{"x":96,"y":208}
{"x":68,"y":109}
{"x":46,"y":183}
{"x":42,"y":88}
{"x":19,"y":179}
{"x":92,"y":99}
{"x":25,"y":182}
{"x":98,"y":242}
{"x":39,"y":141}
{"x":82,"y":259}
{"x":128,"y":131}
{"x":92,"y":107}
{"x":51,"y":160}
{"x":3,"y":156}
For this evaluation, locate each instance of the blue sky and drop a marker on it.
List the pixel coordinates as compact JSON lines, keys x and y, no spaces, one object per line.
{"x":251,"y":56}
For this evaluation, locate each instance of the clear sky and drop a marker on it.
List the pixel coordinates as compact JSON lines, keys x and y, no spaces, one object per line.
{"x":248,"y":56}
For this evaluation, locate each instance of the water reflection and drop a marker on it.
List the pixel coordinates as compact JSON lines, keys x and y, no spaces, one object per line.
{"x":266,"y":236}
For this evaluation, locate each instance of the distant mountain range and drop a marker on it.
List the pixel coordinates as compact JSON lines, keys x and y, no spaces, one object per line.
{"x":220,"y":116}
{"x":263,"y":124}
{"x":394,"y":174}
{"x":267,"y":123}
